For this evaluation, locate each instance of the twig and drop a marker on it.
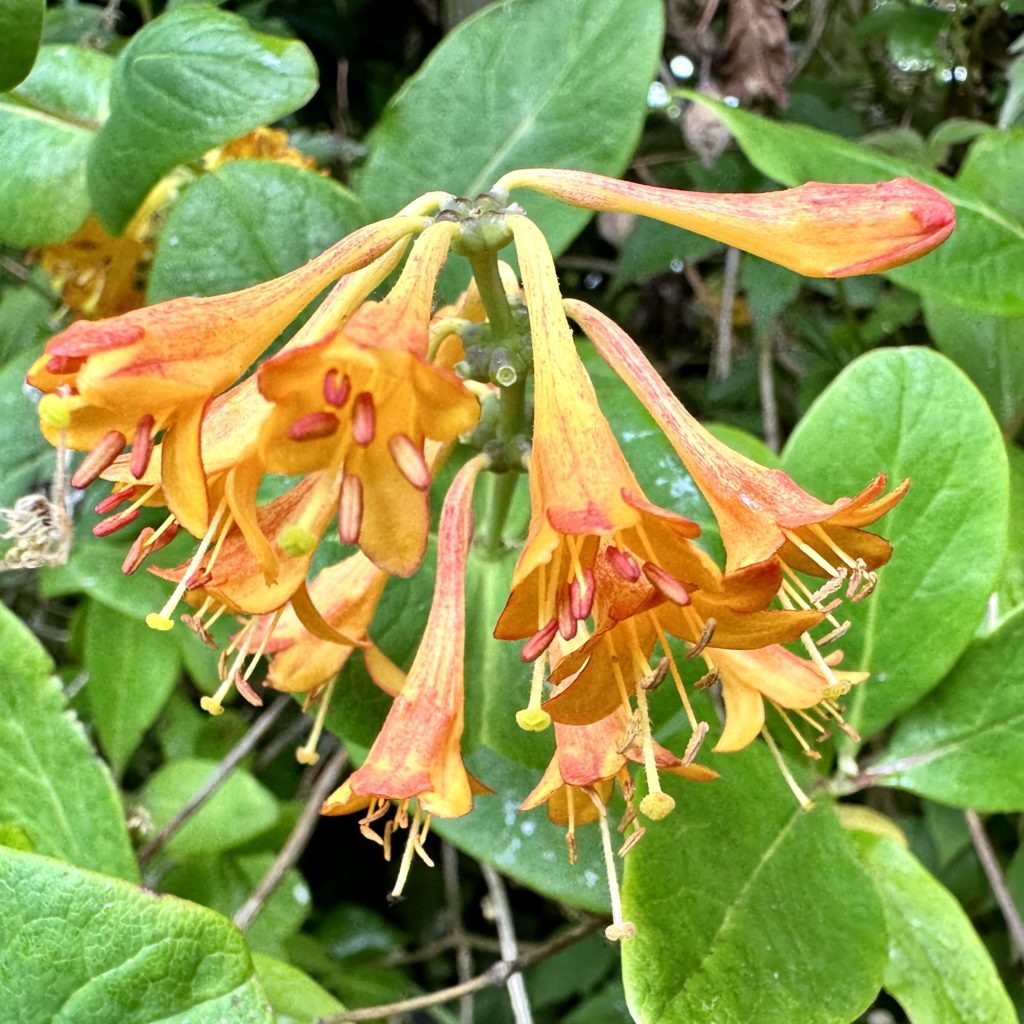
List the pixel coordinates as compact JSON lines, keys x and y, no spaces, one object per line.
{"x":497,"y":974}
{"x":994,"y":874}
{"x":509,"y":950}
{"x":296,"y":841}
{"x":223,"y":770}
{"x":721,"y":363}
{"x":463,"y":952}
{"x":766,"y":383}
{"x":484,"y":943}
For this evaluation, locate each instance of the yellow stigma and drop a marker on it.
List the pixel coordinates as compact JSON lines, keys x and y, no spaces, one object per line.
{"x":55,"y":412}
{"x":212,"y":705}
{"x":296,"y":541}
{"x":159,"y":622}
{"x":533,"y":719}
{"x":657,"y":806}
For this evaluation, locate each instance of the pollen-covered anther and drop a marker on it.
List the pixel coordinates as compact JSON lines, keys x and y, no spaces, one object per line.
{"x":350,"y":509}
{"x":540,"y":641}
{"x":840,"y":631}
{"x":314,"y":426}
{"x":411,"y":462}
{"x":657,"y":677}
{"x":631,"y":840}
{"x":707,"y":680}
{"x":337,"y":388}
{"x":830,"y":586}
{"x":703,"y":640}
{"x":862,"y":582}
{"x":581,"y":595}
{"x":666,"y":584}
{"x":103,"y":453}
{"x":624,"y":564}
{"x":695,"y":743}
{"x":112,"y":524}
{"x":194,"y":624}
{"x":142,"y":446}
{"x":243,"y":686}
{"x":364,"y":419}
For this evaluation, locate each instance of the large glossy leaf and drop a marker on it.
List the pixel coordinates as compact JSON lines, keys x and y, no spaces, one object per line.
{"x":47,"y":125}
{"x":52,"y":785}
{"x":21,"y":26}
{"x":81,"y":948}
{"x":294,"y":995}
{"x":29,"y":461}
{"x":964,"y":745}
{"x":738,"y":899}
{"x":246,"y":223}
{"x":911,"y":413}
{"x":132,"y":671}
{"x":526,"y":83}
{"x":994,"y":168}
{"x":939,"y":969}
{"x":189,"y":80}
{"x":989,"y":349}
{"x":977,"y":267}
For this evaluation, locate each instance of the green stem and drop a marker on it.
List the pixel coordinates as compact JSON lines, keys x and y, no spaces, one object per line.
{"x":503,"y":487}
{"x":492,"y":291}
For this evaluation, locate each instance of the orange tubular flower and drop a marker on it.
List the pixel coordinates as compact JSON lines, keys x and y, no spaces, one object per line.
{"x":819,"y":230}
{"x":416,"y":754}
{"x":364,"y":398}
{"x":762,"y":513}
{"x":154,"y":369}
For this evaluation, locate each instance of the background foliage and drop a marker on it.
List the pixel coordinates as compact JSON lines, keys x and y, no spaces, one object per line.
{"x":892,"y":900}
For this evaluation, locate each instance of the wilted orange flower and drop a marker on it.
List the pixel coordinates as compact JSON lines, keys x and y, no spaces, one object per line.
{"x":819,"y":230}
{"x":416,"y":755}
{"x":153,"y":370}
{"x":365,"y":398}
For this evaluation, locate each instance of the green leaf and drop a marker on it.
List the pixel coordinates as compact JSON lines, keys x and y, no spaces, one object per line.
{"x":240,"y":809}
{"x":248,"y":222}
{"x":964,"y":745}
{"x":80,"y":948}
{"x":295,"y":997}
{"x":132,"y":670}
{"x":29,"y":461}
{"x":655,"y":248}
{"x":191,"y":79}
{"x":977,"y":267}
{"x":989,"y":349}
{"x":527,"y":83}
{"x":733,"y":916}
{"x":911,"y":413}
{"x":51,"y":783}
{"x":47,"y":125}
{"x":21,"y":27}
{"x":939,"y":970}
{"x":994,"y":169}
{"x":25,"y":311}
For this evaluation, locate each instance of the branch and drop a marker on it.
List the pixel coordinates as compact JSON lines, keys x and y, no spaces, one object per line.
{"x":296,"y":842}
{"x":994,"y":874}
{"x":507,"y":937}
{"x":497,"y":974}
{"x":230,"y":762}
{"x":463,"y":953}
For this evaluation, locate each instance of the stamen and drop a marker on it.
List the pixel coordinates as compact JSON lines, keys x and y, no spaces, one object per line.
{"x":837,"y":714}
{"x":657,"y":677}
{"x":99,"y":458}
{"x":684,"y":697}
{"x":168,"y":526}
{"x":703,"y":640}
{"x":631,"y":733}
{"x":112,"y":524}
{"x":410,"y":848}
{"x":666,"y":584}
{"x":364,"y":419}
{"x":804,"y":745}
{"x":570,"y":835}
{"x":581,"y":595}
{"x":829,"y":587}
{"x":314,"y":426}
{"x":161,"y":620}
{"x":336,"y":388}
{"x":142,"y":446}
{"x":836,"y":633}
{"x":215,"y":704}
{"x":306,"y":754}
{"x":637,"y":834}
{"x":350,"y":509}
{"x":707,"y":680}
{"x":112,"y":501}
{"x":567,"y":624}
{"x":533,"y":718}
{"x":822,"y":534}
{"x":696,"y":742}
{"x":802,"y":798}
{"x":813,"y":554}
{"x":619,"y":929}
{"x":247,"y":692}
{"x":822,"y":733}
{"x":657,"y":804}
{"x":539,"y":642}
{"x":410,"y":460}
{"x":624,"y":564}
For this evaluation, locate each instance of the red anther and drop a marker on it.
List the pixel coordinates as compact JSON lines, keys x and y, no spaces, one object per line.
{"x":142,"y":446}
{"x":165,"y":538}
{"x":581,"y":598}
{"x":336,"y":388}
{"x":410,"y":460}
{"x":364,"y":419}
{"x":112,"y":524}
{"x":243,"y":687}
{"x":199,"y":578}
{"x":63,"y":364}
{"x":313,"y":426}
{"x":111,"y":502}
{"x":138,"y":552}
{"x":567,"y":624}
{"x":624,"y":564}
{"x":539,"y":642}
{"x":666,"y":584}
{"x":103,"y":453}
{"x":350,"y":510}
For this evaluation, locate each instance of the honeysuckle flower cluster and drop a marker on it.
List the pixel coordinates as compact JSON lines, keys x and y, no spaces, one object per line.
{"x":179,"y":408}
